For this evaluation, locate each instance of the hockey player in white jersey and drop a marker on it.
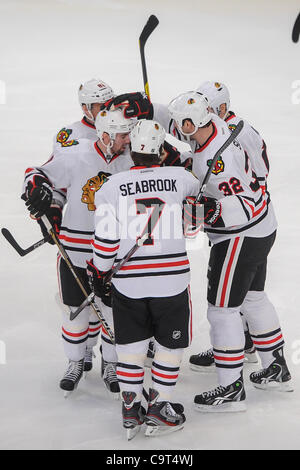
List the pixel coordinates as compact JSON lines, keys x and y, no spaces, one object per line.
{"x":150,"y":293}
{"x":256,"y":151}
{"x":242,"y":235}
{"x":81,"y":169}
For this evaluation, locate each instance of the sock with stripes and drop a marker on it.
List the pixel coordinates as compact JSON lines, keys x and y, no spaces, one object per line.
{"x":263,"y":324}
{"x":228,"y":340}
{"x":165,"y":370}
{"x":130,"y":367}
{"x":75,"y":334}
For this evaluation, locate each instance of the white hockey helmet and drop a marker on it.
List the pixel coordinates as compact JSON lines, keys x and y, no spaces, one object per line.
{"x":94,"y":91}
{"x":113,"y":122}
{"x":217,"y":93}
{"x":147,"y":137}
{"x":190,"y":105}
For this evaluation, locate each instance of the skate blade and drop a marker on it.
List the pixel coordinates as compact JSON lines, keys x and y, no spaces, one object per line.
{"x":275,"y":386}
{"x":132,"y":432}
{"x":67,"y":393}
{"x":232,"y":407}
{"x":203,"y":369}
{"x":113,"y":396}
{"x":153,"y":431}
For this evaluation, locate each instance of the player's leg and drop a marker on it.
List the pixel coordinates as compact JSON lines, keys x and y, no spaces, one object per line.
{"x":133,"y":330}
{"x":74,"y":333}
{"x":171,"y":317}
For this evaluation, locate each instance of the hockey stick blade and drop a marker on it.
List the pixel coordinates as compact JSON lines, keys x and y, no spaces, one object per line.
{"x":22,"y":251}
{"x":148,"y":29}
{"x":296,"y":29}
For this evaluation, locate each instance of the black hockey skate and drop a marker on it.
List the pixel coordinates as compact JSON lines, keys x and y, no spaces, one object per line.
{"x":163,"y":417}
{"x":203,"y":362}
{"x":275,"y":377}
{"x":133,"y":414}
{"x":222,"y":399}
{"x":88,"y":359}
{"x":150,"y":354}
{"x":109,"y":375}
{"x":72,"y":376}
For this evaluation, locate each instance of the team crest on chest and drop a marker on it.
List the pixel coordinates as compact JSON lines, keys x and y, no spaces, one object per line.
{"x":63,"y":136}
{"x":232,"y":127}
{"x":219,"y":166}
{"x":91,"y":187}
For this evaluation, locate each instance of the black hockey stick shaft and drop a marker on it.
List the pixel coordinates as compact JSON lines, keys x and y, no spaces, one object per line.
{"x":72,"y":268}
{"x":111,"y":273}
{"x":147,"y":30}
{"x":22,"y":251}
{"x":219,"y":152}
{"x":296,"y":29}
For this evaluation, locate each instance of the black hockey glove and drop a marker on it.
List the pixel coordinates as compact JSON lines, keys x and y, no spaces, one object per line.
{"x":38,"y":195}
{"x":212,"y":211}
{"x":97,"y":284}
{"x":206,"y":211}
{"x":134,"y":105}
{"x":54,"y":214}
{"x":170,"y":156}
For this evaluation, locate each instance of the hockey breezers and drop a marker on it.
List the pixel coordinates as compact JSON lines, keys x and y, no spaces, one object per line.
{"x":110,"y":274}
{"x":226,"y":144}
{"x":147,"y":30}
{"x":22,"y":251}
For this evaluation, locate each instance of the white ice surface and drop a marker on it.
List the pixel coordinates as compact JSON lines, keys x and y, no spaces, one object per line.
{"x":46,"y":49}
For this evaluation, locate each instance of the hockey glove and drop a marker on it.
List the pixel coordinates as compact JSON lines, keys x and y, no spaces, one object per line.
{"x":134,"y":105}
{"x":206,"y":211}
{"x":212,"y":211}
{"x":97,"y":283}
{"x":38,"y":196}
{"x":54,"y":214}
{"x":170,"y":156}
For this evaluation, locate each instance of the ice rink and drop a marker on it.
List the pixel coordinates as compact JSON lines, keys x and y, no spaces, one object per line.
{"x":47,"y":49}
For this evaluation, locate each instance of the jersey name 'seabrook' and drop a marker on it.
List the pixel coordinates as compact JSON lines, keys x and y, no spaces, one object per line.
{"x":146,"y":186}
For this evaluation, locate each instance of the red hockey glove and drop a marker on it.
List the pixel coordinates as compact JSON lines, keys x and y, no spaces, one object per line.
{"x":97,"y":284}
{"x":134,"y":105}
{"x":171,"y":156}
{"x":54,"y":214}
{"x":38,"y":195}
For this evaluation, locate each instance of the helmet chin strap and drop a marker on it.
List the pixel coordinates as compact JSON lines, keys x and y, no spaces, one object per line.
{"x":188,"y":136}
{"x":89,"y":116}
{"x":108,"y":153}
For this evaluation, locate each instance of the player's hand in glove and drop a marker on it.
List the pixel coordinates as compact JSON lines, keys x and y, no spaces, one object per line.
{"x":212,"y":211}
{"x":97,"y":283}
{"x":134,"y":105}
{"x":38,"y":195}
{"x":54,"y":214}
{"x":206,"y":211}
{"x":170,"y":156}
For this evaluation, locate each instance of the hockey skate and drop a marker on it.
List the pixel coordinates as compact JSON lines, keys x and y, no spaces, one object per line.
{"x":275,"y":377}
{"x":163,"y":417}
{"x":72,"y":376}
{"x":203,"y":362}
{"x":88,"y":359}
{"x":133,"y":414}
{"x":222,"y":399}
{"x":108,"y":373}
{"x":150,"y":354}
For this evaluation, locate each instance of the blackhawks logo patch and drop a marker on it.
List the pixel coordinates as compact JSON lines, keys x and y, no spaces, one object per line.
{"x":63,"y":136}
{"x":232,"y":127}
{"x":91,"y":187}
{"x":219,"y":166}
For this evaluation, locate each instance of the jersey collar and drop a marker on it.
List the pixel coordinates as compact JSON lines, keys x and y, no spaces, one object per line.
{"x":209,"y":140}
{"x":99,"y":151}
{"x":231,"y":115}
{"x":143,"y":167}
{"x":86,"y":123}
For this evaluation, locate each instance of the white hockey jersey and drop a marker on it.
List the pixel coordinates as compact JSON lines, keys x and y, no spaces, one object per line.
{"x":69,"y":135}
{"x":81,"y":169}
{"x":246,"y":207}
{"x":254,"y":146}
{"x":132,"y":203}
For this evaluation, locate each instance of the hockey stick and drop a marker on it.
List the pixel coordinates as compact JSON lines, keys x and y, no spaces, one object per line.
{"x":110,"y":274}
{"x":296,"y":29}
{"x":72,"y":268}
{"x":147,"y":30}
{"x":226,"y":144}
{"x":22,"y":251}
